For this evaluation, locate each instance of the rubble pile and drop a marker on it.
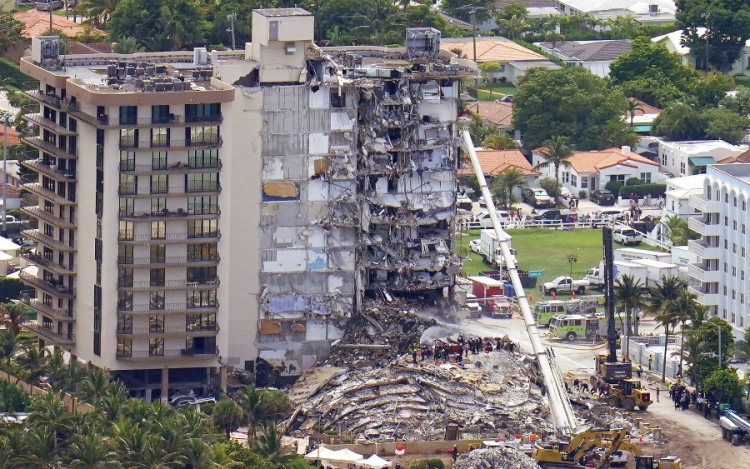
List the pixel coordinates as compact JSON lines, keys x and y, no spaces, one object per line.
{"x":406,"y":401}
{"x":495,"y":458}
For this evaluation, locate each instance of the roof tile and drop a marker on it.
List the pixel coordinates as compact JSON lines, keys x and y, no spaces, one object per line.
{"x":494,"y":162}
{"x":494,"y":112}
{"x":491,"y":49}
{"x":36,"y":23}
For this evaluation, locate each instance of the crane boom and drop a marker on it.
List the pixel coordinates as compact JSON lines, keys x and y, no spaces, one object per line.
{"x":562,"y":411}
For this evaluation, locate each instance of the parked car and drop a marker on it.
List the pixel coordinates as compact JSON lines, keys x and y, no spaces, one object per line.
{"x":537,"y":197}
{"x":626,"y":235}
{"x":602,"y":197}
{"x":549,"y":214}
{"x":473,"y":306}
{"x":606,"y":216}
{"x":49,"y":5}
{"x":463,"y":201}
{"x":475,"y":245}
{"x":565,"y":284}
{"x":483,"y":218}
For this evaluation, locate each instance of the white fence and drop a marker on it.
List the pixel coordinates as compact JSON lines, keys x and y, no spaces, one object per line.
{"x":640,"y":352}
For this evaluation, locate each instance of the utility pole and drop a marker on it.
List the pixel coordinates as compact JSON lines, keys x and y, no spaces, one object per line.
{"x":231,"y":17}
{"x":719,"y":324}
{"x":706,"y":15}
{"x":5,"y":172}
{"x":473,"y":30}
{"x":50,"y":17}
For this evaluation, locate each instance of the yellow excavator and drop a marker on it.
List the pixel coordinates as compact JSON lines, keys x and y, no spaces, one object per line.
{"x":578,"y":450}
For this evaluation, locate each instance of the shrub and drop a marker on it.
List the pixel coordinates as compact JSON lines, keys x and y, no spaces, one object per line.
{"x":633,"y":182}
{"x":551,"y":186}
{"x":583,"y":194}
{"x":12,"y":72}
{"x":427,"y":464}
{"x":655,"y":190}
{"x":613,"y":187}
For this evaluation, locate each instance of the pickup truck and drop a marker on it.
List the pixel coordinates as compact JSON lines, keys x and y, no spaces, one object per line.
{"x":565,"y":285}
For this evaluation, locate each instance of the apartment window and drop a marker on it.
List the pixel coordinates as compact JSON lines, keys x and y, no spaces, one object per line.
{"x":127,"y":161}
{"x":125,"y":301}
{"x":203,"y":158}
{"x":200,"y":298}
{"x":201,"y":275}
{"x":124,"y":254}
{"x":744,"y":205}
{"x":734,"y":317}
{"x":208,"y":112}
{"x":735,"y":201}
{"x":126,"y":207}
{"x":158,"y":205}
{"x":49,"y":230}
{"x":124,"y":347}
{"x":200,"y":322}
{"x":743,"y":228}
{"x":734,"y":248}
{"x":338,"y":99}
{"x":725,"y":292}
{"x":202,"y":228}
{"x":158,"y":230}
{"x":160,"y":114}
{"x":682,"y":168}
{"x":158,"y":277}
{"x":742,"y":275}
{"x":159,"y":160}
{"x":734,"y":294}
{"x":617,"y":177}
{"x":734,"y":225}
{"x":128,"y":115}
{"x":573,"y":181}
{"x":159,"y":184}
{"x":726,"y":244}
{"x":726,"y":198}
{"x":156,"y":323}
{"x":128,"y":184}
{"x":646,"y":178}
{"x":742,"y":250}
{"x":203,"y":205}
{"x":156,"y":347}
{"x":202,"y":252}
{"x":724,"y":314}
{"x":742,"y":298}
{"x":156,"y":300}
{"x":126,"y":230}
{"x":734,"y":271}
{"x":200,"y":135}
{"x":584,"y":182}
{"x":725,"y":268}
{"x":129,"y":138}
{"x":125,"y":324}
{"x":200,"y":345}
{"x":46,"y":322}
{"x":663,"y":160}
{"x":124,"y":277}
{"x":160,"y":137}
{"x":49,"y":207}
{"x":201,"y":182}
{"x":726,"y":221}
{"x":158,"y":253}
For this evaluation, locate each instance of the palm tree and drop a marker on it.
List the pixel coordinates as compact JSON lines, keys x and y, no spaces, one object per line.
{"x":684,"y":310}
{"x":488,"y":69}
{"x":668,"y":320}
{"x":227,"y":416}
{"x":278,"y":404}
{"x":127,"y":45}
{"x":95,"y":385}
{"x":14,"y":314}
{"x":506,"y":182}
{"x":269,"y":446}
{"x":257,"y":413}
{"x":113,"y":400}
{"x":499,"y":141}
{"x":34,"y":362}
{"x":40,"y":449}
{"x":676,"y":228}
{"x":98,"y":11}
{"x":92,"y":451}
{"x":557,"y":152}
{"x":629,"y":293}
{"x":380,"y":23}
{"x":48,"y":412}
{"x":661,"y":303}
{"x":693,"y":350}
{"x":633,"y":107}
{"x":742,"y":347}
{"x":513,"y":26}
{"x":10,"y":344}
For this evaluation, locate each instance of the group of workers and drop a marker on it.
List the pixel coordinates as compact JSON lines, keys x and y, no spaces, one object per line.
{"x":460,"y":349}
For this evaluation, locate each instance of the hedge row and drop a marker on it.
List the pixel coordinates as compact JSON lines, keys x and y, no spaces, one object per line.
{"x":540,"y":51}
{"x":655,"y":190}
{"x":10,"y":70}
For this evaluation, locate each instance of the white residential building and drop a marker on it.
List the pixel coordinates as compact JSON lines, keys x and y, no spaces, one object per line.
{"x":678,"y":193}
{"x":161,"y":173}
{"x":592,"y":170}
{"x":673,"y":42}
{"x":721,"y":275}
{"x":649,"y":12}
{"x":692,"y":157}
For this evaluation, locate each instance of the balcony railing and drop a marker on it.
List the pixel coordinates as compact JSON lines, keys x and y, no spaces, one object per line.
{"x":51,"y":171}
{"x":159,"y":189}
{"x":173,"y":330}
{"x":169,"y":308}
{"x":169,"y":285}
{"x":167,"y":262}
{"x":173,"y":353}
{"x":174,"y":168}
{"x":53,"y":313}
{"x":50,"y":100}
{"x":48,"y":124}
{"x":40,"y":237}
{"x":40,"y":144}
{"x":106,"y":121}
{"x":37,"y":212}
{"x":127,"y":143}
{"x":39,"y":190}
{"x":172,"y":238}
{"x":53,"y":288}
{"x":48,"y":334}
{"x":49,"y":265}
{"x":212,"y":212}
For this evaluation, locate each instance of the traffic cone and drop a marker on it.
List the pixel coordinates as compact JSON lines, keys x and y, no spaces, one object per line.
{"x":531,"y":298}
{"x":554,"y":297}
{"x":574,"y":295}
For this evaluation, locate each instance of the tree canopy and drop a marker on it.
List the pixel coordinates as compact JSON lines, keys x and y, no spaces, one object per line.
{"x":568,"y":102}
{"x":159,"y":26}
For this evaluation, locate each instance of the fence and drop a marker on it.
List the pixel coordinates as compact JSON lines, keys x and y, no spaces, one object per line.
{"x":71,"y":403}
{"x":638,"y":351}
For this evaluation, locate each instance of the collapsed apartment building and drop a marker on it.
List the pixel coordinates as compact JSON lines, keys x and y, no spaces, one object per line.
{"x":335,"y":171}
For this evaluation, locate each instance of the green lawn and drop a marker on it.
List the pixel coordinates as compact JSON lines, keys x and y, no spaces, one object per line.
{"x":547,"y":250}
{"x":497,"y":92}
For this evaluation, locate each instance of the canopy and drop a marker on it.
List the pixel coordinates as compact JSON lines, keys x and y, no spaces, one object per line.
{"x":321,"y":453}
{"x":374,"y":462}
{"x":345,"y":455}
{"x":701,"y":160}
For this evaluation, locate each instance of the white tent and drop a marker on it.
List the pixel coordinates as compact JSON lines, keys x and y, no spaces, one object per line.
{"x":346,"y":456}
{"x":321,"y":453}
{"x":374,"y":462}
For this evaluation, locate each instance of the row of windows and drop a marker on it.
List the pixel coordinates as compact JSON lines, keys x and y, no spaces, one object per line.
{"x":159,"y":183}
{"x":208,"y":205}
{"x":196,"y":229}
{"x":158,"y":276}
{"x":193,"y":345}
{"x":726,"y":198}
{"x":158,"y":253}
{"x":193,"y":323}
{"x":160,"y":160}
{"x":193,"y":299}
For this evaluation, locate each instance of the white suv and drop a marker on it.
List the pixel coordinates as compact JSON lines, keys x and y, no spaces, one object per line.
{"x":627,"y":235}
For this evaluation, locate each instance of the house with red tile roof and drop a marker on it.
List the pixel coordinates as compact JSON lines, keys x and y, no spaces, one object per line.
{"x":495,"y":162}
{"x":36,"y":23}
{"x":592,"y":170}
{"x":497,"y":113}
{"x":14,"y":138}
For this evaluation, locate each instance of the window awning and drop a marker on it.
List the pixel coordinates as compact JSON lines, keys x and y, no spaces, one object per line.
{"x":641,"y":128}
{"x":701,"y":160}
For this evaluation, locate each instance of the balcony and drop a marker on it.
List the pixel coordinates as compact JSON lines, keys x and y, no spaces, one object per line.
{"x":170,"y":120}
{"x":39,"y":190}
{"x":178,"y":214}
{"x":180,"y":331}
{"x":53,"y":267}
{"x":46,"y":99}
{"x":167,"y":262}
{"x":169,"y":308}
{"x":53,"y":150}
{"x":148,"y":145}
{"x":40,"y":237}
{"x":52,"y":171}
{"x":703,"y":250}
{"x":48,"y":335}
{"x":174,"y":353}
{"x":179,"y":168}
{"x":41,"y":308}
{"x":702,"y":228}
{"x":706,"y":299}
{"x":162,"y":190}
{"x":37,"y":212}
{"x":174,"y":238}
{"x":704,"y":205}
{"x":48,"y":124}
{"x":702,"y":274}
{"x":52,"y":288}
{"x":169,"y":285}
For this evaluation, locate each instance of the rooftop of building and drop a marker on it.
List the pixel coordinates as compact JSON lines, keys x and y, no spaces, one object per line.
{"x":500,"y":4}
{"x":645,"y":109}
{"x":490,"y":49}
{"x":36,"y":23}
{"x":585,"y":162}
{"x":14,"y":138}
{"x":741,"y":158}
{"x":739,"y":171}
{"x":499,"y":113}
{"x":703,"y":146}
{"x":495,"y":162}
{"x":594,"y":51}
{"x":281,"y":12}
{"x":632,"y":6}
{"x":686,"y":184}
